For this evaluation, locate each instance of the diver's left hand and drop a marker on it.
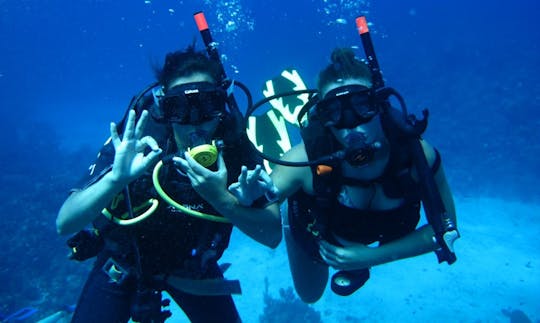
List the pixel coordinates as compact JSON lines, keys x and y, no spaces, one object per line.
{"x":253,"y":184}
{"x":351,"y":256}
{"x":209,"y":184}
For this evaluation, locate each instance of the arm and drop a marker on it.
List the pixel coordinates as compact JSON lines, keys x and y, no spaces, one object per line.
{"x":355,"y":255}
{"x":261,"y":224}
{"x":440,"y":181}
{"x":82,"y":207}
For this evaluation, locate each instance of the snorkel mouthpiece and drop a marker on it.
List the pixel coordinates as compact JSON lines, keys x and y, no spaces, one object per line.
{"x":359,"y":152}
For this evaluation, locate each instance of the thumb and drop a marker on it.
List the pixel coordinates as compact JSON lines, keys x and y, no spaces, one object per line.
{"x":234,"y":186}
{"x":221,"y":167}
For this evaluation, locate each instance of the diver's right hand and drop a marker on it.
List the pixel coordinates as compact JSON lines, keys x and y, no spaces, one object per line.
{"x":130,"y":162}
{"x":253,"y":184}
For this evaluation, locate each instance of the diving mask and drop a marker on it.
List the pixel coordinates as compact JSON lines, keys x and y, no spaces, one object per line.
{"x":347,"y":107}
{"x":193,"y":103}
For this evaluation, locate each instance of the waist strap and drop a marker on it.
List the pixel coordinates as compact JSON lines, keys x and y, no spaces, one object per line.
{"x":214,"y":287}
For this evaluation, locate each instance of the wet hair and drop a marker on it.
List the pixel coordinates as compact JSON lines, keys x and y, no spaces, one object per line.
{"x":344,"y":65}
{"x":185,"y":63}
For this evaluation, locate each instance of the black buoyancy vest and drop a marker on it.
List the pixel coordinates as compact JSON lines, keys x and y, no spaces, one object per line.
{"x":396,"y":179}
{"x":193,"y":234}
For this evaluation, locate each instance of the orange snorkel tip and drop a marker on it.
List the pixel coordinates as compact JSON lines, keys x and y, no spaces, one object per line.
{"x":361,"y":25}
{"x":200,"y":20}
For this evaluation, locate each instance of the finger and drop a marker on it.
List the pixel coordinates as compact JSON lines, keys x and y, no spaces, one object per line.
{"x":141,"y":124}
{"x":265,"y":177}
{"x":114,"y":135}
{"x":243,"y":175}
{"x":148,"y":141}
{"x":194,"y":165}
{"x":329,"y":248}
{"x":234,"y":186}
{"x":327,"y":258}
{"x":130,"y":124}
{"x":181,"y":164}
{"x":152,"y":157}
{"x":324,"y":243}
{"x":254,"y":176}
{"x":323,"y":256}
{"x":221,"y":164}
{"x":192,"y":178}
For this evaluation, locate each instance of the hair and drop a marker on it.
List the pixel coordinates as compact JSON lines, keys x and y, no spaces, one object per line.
{"x":187,"y":62}
{"x":344,"y":65}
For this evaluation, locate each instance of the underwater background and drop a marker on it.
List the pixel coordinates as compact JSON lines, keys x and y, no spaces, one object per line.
{"x":68,"y":68}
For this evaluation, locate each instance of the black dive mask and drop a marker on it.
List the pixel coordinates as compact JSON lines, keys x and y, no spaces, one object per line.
{"x":193,"y":103}
{"x":347,"y":107}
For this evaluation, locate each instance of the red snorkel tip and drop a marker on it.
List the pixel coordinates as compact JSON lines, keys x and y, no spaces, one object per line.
{"x":200,"y":20}
{"x":361,"y":25}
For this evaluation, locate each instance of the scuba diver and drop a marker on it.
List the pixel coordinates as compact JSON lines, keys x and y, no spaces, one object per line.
{"x":152,"y":231}
{"x":355,"y":183}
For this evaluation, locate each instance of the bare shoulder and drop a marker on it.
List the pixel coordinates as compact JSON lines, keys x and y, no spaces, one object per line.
{"x":289,"y":179}
{"x":429,"y":152}
{"x":296,"y":153}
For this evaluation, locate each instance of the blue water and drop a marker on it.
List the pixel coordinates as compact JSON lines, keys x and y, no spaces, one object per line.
{"x":68,"y":68}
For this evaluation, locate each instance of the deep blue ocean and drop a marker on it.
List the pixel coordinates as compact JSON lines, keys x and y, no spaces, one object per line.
{"x":68,"y":68}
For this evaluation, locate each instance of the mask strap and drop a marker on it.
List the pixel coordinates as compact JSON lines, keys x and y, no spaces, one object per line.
{"x":157,"y":94}
{"x":305,"y":109}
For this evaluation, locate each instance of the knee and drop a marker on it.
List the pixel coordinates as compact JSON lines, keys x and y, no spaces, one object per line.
{"x":309,"y":292}
{"x":310,"y":299}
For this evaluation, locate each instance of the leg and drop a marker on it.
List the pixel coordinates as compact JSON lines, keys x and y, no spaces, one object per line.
{"x":202,"y":309}
{"x":206,"y":308}
{"x":309,"y":276}
{"x":102,"y":301}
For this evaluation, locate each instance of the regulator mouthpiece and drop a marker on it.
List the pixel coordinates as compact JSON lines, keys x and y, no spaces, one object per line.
{"x":359,"y":152}
{"x":204,"y":153}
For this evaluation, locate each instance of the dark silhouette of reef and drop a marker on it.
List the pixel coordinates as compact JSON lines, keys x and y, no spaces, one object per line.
{"x":287,"y":308}
{"x":36,"y":178}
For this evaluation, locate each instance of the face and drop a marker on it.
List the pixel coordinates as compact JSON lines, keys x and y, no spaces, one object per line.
{"x":355,"y":121}
{"x":187,"y":134}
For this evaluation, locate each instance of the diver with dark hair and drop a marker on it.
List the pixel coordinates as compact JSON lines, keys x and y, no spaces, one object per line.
{"x":354,"y":185}
{"x":151,"y":229}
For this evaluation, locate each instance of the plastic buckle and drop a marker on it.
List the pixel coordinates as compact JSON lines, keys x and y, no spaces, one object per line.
{"x":117,"y":274}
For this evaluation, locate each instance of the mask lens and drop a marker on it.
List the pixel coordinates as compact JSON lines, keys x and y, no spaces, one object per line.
{"x":193,"y":105}
{"x":175,"y":108}
{"x":329,"y":112}
{"x":364,"y":109}
{"x":346,"y":108}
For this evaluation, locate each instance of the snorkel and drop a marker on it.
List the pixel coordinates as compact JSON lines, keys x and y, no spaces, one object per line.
{"x":204,"y":153}
{"x":445,"y":229}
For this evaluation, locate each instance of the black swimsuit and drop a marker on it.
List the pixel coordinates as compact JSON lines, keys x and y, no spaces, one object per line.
{"x":364,"y":226}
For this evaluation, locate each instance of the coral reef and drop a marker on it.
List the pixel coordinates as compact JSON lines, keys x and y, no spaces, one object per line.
{"x":34,"y":270}
{"x":287,"y":308}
